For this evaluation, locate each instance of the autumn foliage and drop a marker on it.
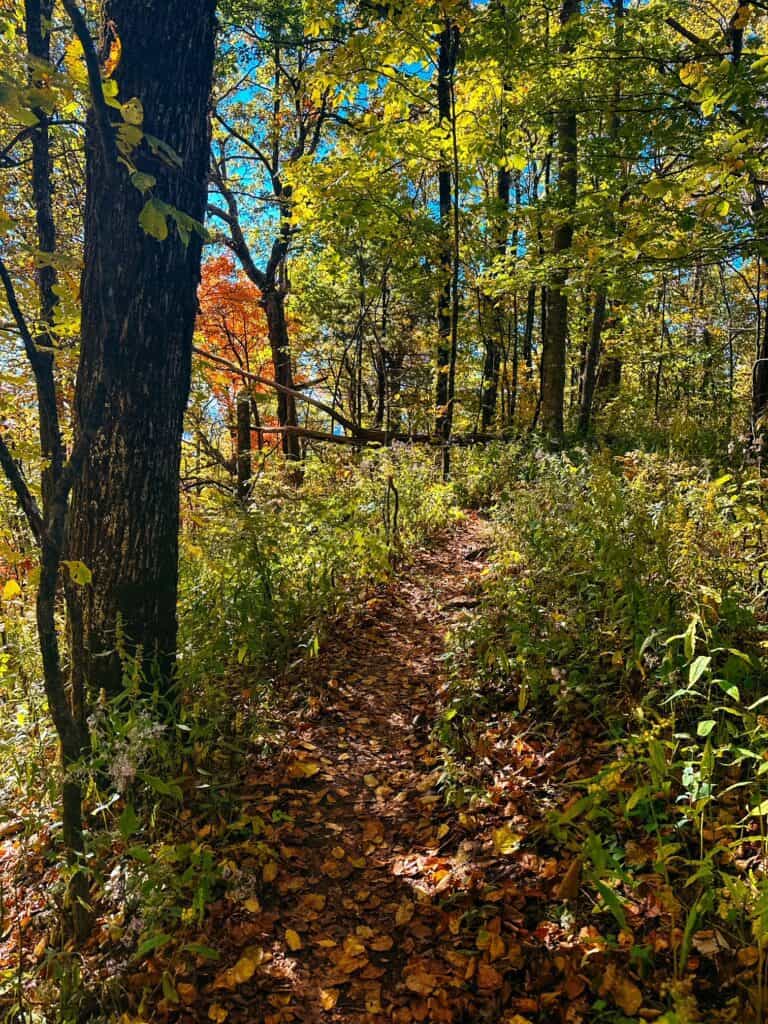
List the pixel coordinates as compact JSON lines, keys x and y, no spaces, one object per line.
{"x":233,"y":325}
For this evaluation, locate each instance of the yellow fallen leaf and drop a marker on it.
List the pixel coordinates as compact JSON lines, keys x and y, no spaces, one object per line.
{"x":187,"y":992}
{"x":293,"y":940}
{"x":627,"y":996}
{"x":371,"y":781}
{"x":404,"y":912}
{"x":505,"y":841}
{"x":252,"y":905}
{"x":269,"y":871}
{"x":328,"y":998}
{"x":217,"y":1013}
{"x":243,"y":971}
{"x":303,"y":769}
{"x":421,"y":982}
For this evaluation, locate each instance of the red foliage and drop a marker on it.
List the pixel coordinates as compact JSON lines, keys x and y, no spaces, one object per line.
{"x":234,"y":326}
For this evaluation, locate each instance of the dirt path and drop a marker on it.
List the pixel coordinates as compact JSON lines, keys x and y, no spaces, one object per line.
{"x":363,"y":896}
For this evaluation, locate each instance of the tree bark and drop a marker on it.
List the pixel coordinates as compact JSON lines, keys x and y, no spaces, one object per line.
{"x":591,"y":357}
{"x":273,"y":303}
{"x":553,"y":357}
{"x":244,"y":464}
{"x":138,"y":315}
{"x":494,"y":340}
{"x":446,"y":328}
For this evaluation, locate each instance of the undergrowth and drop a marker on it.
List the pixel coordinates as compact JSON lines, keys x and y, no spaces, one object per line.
{"x":626,"y":599}
{"x":261,"y":581}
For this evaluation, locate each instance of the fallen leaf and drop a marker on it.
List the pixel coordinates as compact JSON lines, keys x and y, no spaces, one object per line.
{"x":328,"y":998}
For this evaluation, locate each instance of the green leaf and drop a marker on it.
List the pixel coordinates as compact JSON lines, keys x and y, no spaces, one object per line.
{"x":79,"y":573}
{"x":153,"y":942}
{"x":612,"y":902}
{"x":133,"y":111}
{"x":705,"y":727}
{"x":129,"y":822}
{"x":200,"y":950}
{"x":153,"y":219}
{"x":698,"y":667}
{"x":141,"y":854}
{"x":143,"y":182}
{"x":169,"y":991}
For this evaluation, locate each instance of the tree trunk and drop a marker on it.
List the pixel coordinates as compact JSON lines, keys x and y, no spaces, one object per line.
{"x":553,"y":357}
{"x":273,"y":303}
{"x":495,"y":341}
{"x":760,"y":384}
{"x":446,"y":67}
{"x":591,"y":358}
{"x":138,"y":316}
{"x":244,"y":466}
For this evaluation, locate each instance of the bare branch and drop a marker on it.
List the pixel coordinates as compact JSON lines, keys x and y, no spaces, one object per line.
{"x":101,"y":111}
{"x":21,"y":490}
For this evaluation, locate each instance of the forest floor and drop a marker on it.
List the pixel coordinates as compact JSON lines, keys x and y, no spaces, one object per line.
{"x":386,"y":901}
{"x":370,"y":878}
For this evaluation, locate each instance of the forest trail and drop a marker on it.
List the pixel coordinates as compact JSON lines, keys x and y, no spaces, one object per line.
{"x":365,"y":831}
{"x":383,"y":902}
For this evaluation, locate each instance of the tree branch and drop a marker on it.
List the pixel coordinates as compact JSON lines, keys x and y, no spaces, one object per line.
{"x":101,"y":111}
{"x":21,"y":490}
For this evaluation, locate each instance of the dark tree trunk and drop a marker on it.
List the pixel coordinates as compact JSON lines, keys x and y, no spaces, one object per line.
{"x":760,"y":383}
{"x":273,"y":302}
{"x":495,"y":341}
{"x":138,"y":315}
{"x":553,"y":357}
{"x":530,"y":318}
{"x":591,"y":358}
{"x":446,"y":67}
{"x":244,"y":465}
{"x":37,"y":20}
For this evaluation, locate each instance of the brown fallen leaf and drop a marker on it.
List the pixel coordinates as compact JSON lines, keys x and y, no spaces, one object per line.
{"x":568,"y":889}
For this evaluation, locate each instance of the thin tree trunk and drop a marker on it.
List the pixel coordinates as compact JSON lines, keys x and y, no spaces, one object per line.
{"x":553,"y":357}
{"x":244,"y":463}
{"x":592,"y":355}
{"x":273,"y":303}
{"x":448,"y":45}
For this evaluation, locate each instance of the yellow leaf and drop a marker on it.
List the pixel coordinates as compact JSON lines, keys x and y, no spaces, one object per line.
{"x":328,"y":998}
{"x":421,"y":982}
{"x":269,"y":871}
{"x":371,"y":781}
{"x":293,"y":940}
{"x":11,"y":590}
{"x":313,"y":901}
{"x":243,"y":971}
{"x":404,"y":912}
{"x":252,"y":905}
{"x":217,"y":1013}
{"x":303,"y":769}
{"x":505,"y":840}
{"x":627,"y":995}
